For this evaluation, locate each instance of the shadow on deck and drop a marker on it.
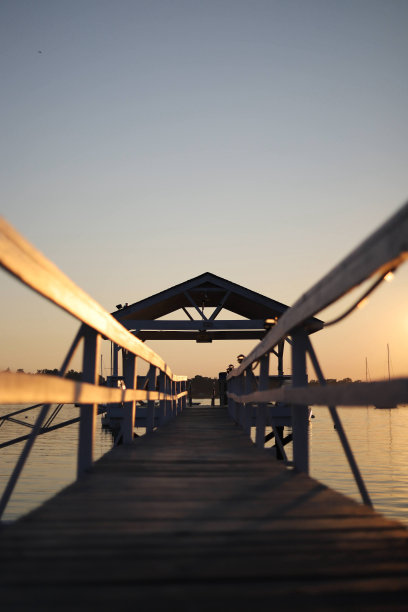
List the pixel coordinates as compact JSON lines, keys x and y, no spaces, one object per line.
{"x":193,"y":517}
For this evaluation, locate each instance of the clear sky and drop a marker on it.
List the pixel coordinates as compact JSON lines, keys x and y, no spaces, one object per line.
{"x":146,"y":142}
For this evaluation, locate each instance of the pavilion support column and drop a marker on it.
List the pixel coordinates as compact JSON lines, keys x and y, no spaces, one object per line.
{"x":162,"y":405}
{"x":150,"y":403}
{"x":281,"y":347}
{"x":129,"y":364}
{"x":300,"y":413}
{"x":248,"y":407}
{"x":167,"y":408}
{"x":178,"y":402}
{"x":261,"y":409}
{"x":174,"y":398}
{"x":230,"y":387}
{"x":240,"y":391}
{"x":184,"y":398}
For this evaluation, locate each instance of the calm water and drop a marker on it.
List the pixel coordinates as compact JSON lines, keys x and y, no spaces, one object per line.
{"x":52,"y":462}
{"x":379,"y":439}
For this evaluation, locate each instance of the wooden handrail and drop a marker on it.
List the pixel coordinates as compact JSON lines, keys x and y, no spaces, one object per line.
{"x":376,"y":393}
{"x":380,"y":253}
{"x":384,"y":250}
{"x":32,"y":268}
{"x":18,"y":388}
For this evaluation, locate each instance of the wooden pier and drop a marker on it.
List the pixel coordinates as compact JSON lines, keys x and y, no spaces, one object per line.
{"x":194,"y":517}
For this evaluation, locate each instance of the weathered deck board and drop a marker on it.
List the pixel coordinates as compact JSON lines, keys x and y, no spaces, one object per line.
{"x":194,"y":517}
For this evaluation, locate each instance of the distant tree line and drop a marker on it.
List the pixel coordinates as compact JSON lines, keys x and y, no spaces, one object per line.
{"x":334,"y":381}
{"x":71,"y":374}
{"x":201,"y":386}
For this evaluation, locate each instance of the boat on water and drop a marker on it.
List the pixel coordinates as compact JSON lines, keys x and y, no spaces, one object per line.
{"x":380,"y":406}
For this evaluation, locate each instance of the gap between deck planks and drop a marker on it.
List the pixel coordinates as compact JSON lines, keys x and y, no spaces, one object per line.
{"x":195,"y":517}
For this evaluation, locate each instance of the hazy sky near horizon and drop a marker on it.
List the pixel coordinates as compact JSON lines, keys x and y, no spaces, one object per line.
{"x":146,"y":142}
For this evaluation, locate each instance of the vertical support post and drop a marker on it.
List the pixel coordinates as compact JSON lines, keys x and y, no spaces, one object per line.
{"x":184,"y":400}
{"x":230,"y":403}
{"x":261,"y":409}
{"x":222,"y":384}
{"x":248,"y":407}
{"x":281,"y":347}
{"x":151,"y":386}
{"x":236,"y":386}
{"x":162,"y":389}
{"x":167,"y":409}
{"x":129,"y":409}
{"x":88,"y":411}
{"x":169,"y":403}
{"x":300,"y":413}
{"x":178,"y":400}
{"x":341,"y":433}
{"x":240,"y":391}
{"x":115,"y":360}
{"x":174,"y":399}
{"x":236,"y":406}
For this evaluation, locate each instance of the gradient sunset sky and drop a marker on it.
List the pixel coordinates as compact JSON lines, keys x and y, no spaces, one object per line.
{"x":147,"y":142}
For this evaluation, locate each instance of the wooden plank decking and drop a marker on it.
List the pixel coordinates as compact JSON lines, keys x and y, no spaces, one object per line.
{"x":194,"y":517}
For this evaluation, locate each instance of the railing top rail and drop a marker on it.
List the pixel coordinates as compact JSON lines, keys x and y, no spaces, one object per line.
{"x":33,"y":269}
{"x":382,"y":251}
{"x":19,"y":388}
{"x":379,"y":393}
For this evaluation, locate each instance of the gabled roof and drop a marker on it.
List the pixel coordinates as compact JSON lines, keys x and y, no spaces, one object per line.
{"x":207,"y":294}
{"x":208,"y":290}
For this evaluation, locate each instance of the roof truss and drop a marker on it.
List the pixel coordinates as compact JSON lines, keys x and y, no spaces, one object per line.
{"x":199,"y":294}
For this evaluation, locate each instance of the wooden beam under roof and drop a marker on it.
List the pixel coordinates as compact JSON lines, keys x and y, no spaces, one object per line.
{"x":173,"y":325}
{"x":197,"y":335}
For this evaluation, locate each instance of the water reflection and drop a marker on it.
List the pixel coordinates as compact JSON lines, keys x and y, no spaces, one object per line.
{"x":52,"y":463}
{"x":378,"y":439}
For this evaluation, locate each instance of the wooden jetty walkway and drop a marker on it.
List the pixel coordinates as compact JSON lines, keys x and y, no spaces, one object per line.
{"x":195,"y":517}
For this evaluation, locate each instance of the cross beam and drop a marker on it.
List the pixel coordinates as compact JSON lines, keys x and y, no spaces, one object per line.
{"x":183,"y":325}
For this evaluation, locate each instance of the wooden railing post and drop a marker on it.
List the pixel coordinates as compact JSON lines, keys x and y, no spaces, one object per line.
{"x":184,"y":398}
{"x":173,"y":400}
{"x":169,"y":403}
{"x":150,"y":404}
{"x":129,"y":408}
{"x":88,"y":411}
{"x":300,"y":413}
{"x":178,"y":390}
{"x":162,"y":405}
{"x":241,"y":391}
{"x":261,"y":409}
{"x":247,"y":420}
{"x":232,"y":405}
{"x":177,"y":404}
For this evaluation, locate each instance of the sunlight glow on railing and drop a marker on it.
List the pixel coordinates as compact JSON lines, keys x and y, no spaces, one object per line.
{"x":376,"y":258}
